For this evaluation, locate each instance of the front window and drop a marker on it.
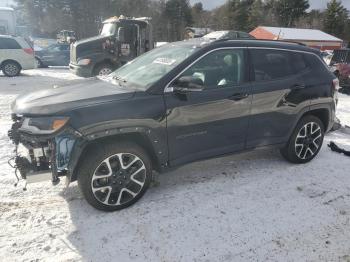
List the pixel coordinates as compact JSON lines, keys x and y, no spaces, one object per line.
{"x":147,"y":69}
{"x":218,"y":69}
{"x":109,"y":29}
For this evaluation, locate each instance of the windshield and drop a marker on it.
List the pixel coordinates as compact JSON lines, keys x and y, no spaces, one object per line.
{"x":145,"y":70}
{"x":108,"y":29}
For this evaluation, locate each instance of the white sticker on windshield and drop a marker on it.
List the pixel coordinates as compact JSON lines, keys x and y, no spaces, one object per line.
{"x":164,"y":61}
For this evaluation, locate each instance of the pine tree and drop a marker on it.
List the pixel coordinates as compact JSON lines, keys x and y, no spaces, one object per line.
{"x":335,"y":18}
{"x":178,"y":16}
{"x":256,"y":14}
{"x":288,"y":12}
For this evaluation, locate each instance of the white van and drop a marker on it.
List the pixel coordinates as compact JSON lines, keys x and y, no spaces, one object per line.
{"x":16,"y":54}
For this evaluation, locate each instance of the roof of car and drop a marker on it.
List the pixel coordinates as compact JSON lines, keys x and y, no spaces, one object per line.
{"x":200,"y":42}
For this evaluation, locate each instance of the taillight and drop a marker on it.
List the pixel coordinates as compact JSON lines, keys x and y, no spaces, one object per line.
{"x":335,"y":84}
{"x":29,"y":51}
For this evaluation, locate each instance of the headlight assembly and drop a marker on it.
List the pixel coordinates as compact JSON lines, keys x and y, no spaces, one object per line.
{"x":43,"y":125}
{"x":84,"y":62}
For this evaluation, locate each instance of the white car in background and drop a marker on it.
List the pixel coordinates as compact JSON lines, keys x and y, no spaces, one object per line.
{"x":16,"y":54}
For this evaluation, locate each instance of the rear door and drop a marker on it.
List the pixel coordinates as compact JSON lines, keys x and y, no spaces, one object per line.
{"x":279,"y":92}
{"x":214,"y":121}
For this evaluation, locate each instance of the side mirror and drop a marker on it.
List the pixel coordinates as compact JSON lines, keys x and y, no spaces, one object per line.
{"x":188,"y":84}
{"x":121,"y":34}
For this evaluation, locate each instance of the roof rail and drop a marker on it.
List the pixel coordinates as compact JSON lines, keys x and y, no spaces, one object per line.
{"x":252,"y":39}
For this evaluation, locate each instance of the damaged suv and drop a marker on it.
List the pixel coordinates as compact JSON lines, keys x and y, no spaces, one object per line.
{"x":176,"y":104}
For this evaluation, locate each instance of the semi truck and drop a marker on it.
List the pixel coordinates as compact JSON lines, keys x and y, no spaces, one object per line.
{"x":121,"y":39}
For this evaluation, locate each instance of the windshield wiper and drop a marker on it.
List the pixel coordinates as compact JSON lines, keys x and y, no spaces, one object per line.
{"x":120,"y":79}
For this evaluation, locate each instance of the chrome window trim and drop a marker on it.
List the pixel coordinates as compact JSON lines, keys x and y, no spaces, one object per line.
{"x":169,"y":89}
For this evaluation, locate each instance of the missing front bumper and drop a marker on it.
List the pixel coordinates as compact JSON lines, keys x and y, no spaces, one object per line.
{"x":35,"y":167}
{"x":43,"y":157}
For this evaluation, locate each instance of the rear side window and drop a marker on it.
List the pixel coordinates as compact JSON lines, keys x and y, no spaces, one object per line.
{"x":8,"y":43}
{"x":299,"y":63}
{"x":276,"y":64}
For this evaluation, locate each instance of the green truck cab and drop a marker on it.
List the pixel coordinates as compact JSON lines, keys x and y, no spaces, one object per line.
{"x":120,"y":41}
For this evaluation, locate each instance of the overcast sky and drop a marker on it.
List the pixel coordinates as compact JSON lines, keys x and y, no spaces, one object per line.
{"x":210,"y":4}
{"x":315,"y":4}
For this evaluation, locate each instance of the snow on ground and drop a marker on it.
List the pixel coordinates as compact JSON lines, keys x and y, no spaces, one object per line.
{"x":248,"y":207}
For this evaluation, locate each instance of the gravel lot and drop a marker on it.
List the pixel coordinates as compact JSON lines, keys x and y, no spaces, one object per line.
{"x":247,"y":207}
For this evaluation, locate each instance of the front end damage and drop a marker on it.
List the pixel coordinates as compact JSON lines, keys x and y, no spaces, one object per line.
{"x":41,"y":156}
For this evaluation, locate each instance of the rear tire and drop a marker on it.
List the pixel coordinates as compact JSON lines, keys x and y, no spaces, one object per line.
{"x":11,"y":68}
{"x":114,"y":176}
{"x":38,"y":63}
{"x":103,"y":69}
{"x":305,"y":141}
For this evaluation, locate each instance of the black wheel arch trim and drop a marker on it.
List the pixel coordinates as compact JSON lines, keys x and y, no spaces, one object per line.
{"x":310,"y":110}
{"x":154,"y":144}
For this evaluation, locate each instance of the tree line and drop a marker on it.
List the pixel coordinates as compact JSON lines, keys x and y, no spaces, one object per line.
{"x":170,"y":17}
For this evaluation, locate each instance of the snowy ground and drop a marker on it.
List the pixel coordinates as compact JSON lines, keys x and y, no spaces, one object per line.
{"x":248,"y":207}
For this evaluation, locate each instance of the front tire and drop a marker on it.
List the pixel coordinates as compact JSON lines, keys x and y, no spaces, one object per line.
{"x":305,"y":141}
{"x":114,"y":176}
{"x":11,"y":68}
{"x":103,"y":69}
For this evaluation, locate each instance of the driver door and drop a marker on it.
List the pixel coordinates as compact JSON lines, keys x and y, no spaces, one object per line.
{"x":214,"y":121}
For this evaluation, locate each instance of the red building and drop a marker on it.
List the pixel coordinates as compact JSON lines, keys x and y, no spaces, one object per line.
{"x":310,"y":37}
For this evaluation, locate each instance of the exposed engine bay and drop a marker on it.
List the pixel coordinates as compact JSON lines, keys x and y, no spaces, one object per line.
{"x":39,"y":157}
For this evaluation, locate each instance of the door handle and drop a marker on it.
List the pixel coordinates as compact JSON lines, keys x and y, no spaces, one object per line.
{"x":298,"y":86}
{"x":237,"y":97}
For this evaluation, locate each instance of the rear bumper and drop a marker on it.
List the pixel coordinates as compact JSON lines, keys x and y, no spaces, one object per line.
{"x":83,"y":71}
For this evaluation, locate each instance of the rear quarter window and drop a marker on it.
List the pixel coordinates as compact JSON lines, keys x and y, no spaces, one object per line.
{"x":8,"y":43}
{"x":316,"y":64}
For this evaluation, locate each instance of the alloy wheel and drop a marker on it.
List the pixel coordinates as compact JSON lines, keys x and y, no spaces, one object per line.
{"x":308,"y":140}
{"x":118,"y":179}
{"x":11,"y":69}
{"x":105,"y":71}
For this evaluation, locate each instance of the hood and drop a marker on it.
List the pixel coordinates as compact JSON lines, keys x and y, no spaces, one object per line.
{"x":80,"y":93}
{"x":90,"y":45}
{"x":97,"y":38}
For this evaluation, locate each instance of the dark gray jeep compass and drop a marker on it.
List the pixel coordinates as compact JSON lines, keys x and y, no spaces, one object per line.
{"x":176,"y":104}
